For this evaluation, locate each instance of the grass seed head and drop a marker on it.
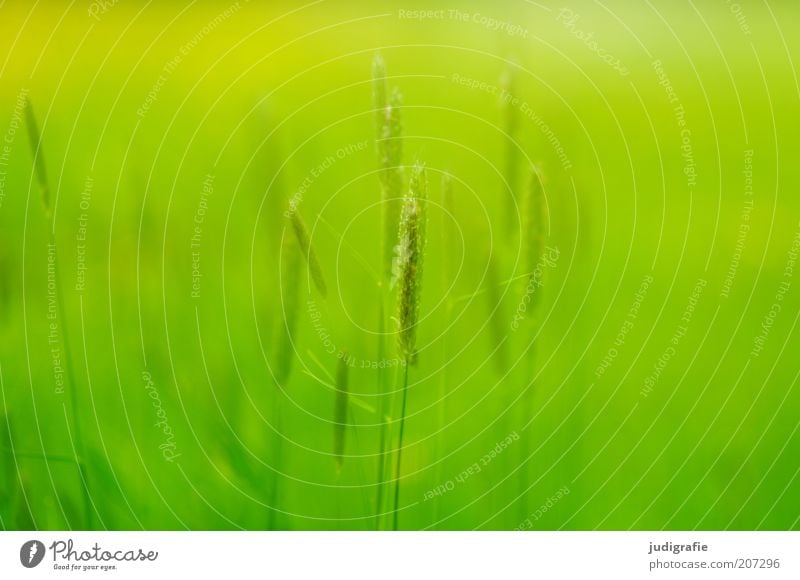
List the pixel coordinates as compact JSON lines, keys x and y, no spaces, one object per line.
{"x":379,"y":91}
{"x":389,"y":143}
{"x":411,"y":252}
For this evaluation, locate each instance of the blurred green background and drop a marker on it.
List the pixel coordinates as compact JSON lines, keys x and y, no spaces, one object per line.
{"x":652,"y":386}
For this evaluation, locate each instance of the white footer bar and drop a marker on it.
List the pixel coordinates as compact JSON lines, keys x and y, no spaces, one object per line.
{"x":404,"y":555}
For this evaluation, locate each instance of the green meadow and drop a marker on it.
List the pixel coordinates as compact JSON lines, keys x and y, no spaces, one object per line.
{"x":380,"y":265}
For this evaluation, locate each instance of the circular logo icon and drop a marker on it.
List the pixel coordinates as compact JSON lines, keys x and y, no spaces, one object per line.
{"x":31,"y":553}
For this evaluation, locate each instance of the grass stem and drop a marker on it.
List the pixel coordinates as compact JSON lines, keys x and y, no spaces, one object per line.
{"x":400,"y":447}
{"x":382,"y":413}
{"x":73,"y":399}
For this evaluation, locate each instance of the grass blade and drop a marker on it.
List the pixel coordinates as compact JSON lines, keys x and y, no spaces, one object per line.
{"x":80,"y":446}
{"x":534,"y":218}
{"x":291,"y":260}
{"x":511,"y":118}
{"x":303,"y":239}
{"x":497,"y":319}
{"x":38,"y":157}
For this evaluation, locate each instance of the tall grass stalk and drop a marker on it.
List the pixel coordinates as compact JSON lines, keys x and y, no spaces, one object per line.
{"x":277,"y":461}
{"x":291,"y":264}
{"x":291,"y":261}
{"x":497,"y":320}
{"x":13,"y":500}
{"x":534,"y":218}
{"x":399,"y":466}
{"x":382,"y":412}
{"x":12,"y":492}
{"x":80,"y":447}
{"x":511,"y":121}
{"x":411,"y":246}
{"x":389,"y":145}
{"x":412,"y":236}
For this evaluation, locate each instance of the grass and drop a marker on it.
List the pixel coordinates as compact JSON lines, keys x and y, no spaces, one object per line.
{"x":389,"y":143}
{"x":447,"y":233}
{"x":399,"y":460}
{"x":292,"y":261}
{"x":389,"y":146}
{"x":534,"y":220}
{"x":411,"y":256}
{"x":301,"y":234}
{"x":76,"y":435}
{"x":534,"y":223}
{"x":511,"y":125}
{"x":495,"y":311}
{"x":34,"y":136}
